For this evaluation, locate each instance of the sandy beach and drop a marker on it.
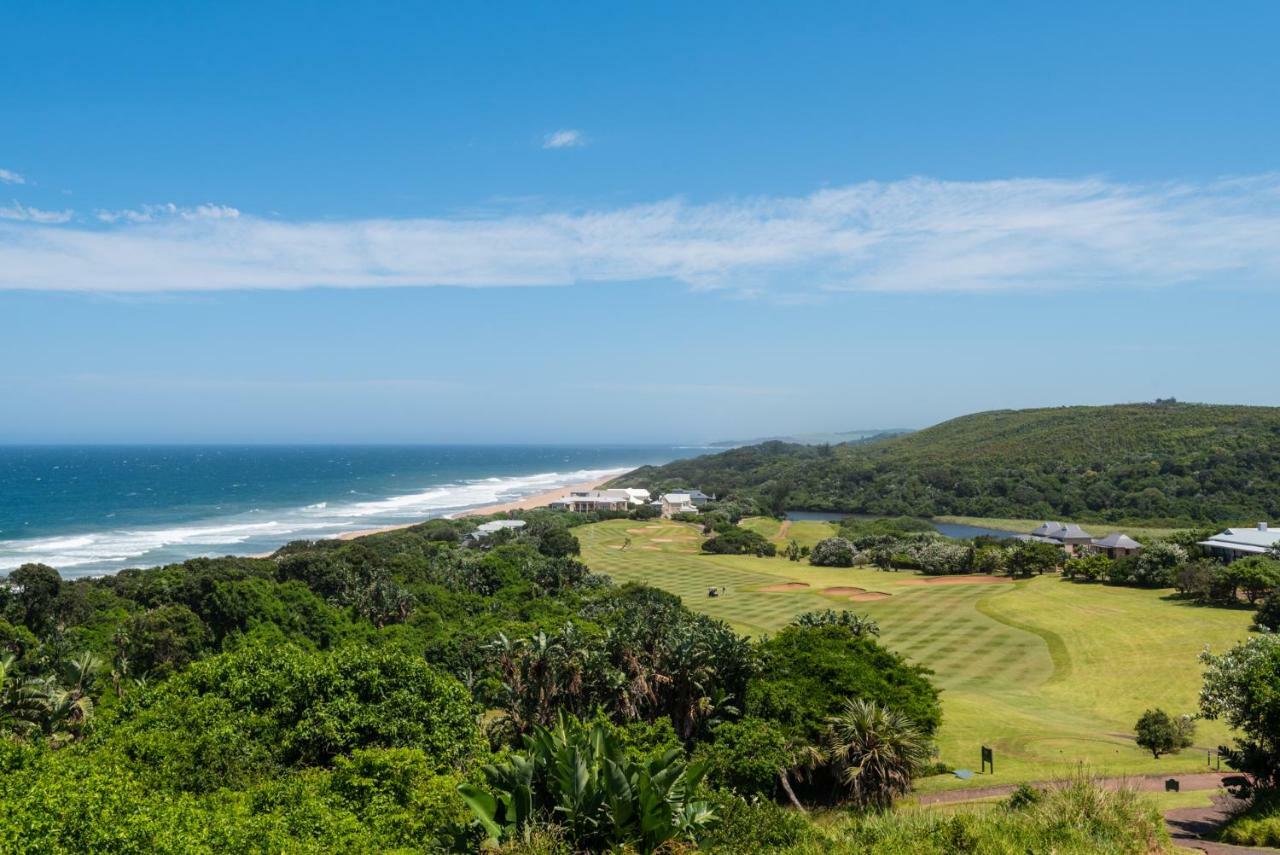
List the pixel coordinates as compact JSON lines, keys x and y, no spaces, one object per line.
{"x":527,"y":503}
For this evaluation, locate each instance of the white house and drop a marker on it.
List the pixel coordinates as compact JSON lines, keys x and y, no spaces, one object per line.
{"x":585,"y":501}
{"x":1241,"y":542}
{"x":677,"y":503}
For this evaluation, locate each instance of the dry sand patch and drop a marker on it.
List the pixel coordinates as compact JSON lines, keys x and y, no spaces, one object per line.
{"x":842,"y":591}
{"x":868,"y":596}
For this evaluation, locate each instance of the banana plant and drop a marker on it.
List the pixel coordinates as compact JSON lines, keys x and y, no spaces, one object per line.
{"x":581,"y":778}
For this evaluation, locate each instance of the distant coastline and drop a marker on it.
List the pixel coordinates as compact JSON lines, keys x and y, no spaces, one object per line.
{"x":526,"y":504}
{"x":88,"y":511}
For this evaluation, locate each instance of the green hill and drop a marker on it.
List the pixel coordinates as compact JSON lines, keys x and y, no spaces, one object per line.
{"x":1167,"y":462}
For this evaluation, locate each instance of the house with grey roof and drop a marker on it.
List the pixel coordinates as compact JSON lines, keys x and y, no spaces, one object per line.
{"x":1068,"y":535}
{"x":1116,"y":545}
{"x":1242,"y":542}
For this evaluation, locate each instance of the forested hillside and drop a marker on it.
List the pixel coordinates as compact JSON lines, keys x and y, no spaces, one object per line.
{"x":1180,"y":463}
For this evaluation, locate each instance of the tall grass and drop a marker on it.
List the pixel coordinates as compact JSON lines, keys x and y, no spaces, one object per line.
{"x":1073,"y":818}
{"x":1258,"y":824}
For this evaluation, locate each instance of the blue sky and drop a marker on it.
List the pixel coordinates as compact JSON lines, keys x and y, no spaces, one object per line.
{"x":474,"y":222}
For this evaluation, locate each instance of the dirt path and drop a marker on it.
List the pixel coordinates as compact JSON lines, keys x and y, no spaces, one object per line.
{"x":782,"y":530}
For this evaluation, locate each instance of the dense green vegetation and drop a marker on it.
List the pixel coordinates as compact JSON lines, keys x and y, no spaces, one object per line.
{"x":1181,"y":463}
{"x":419,"y":690}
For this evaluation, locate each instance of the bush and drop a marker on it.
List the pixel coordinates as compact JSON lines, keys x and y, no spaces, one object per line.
{"x":938,"y":557}
{"x":807,"y":674}
{"x":235,"y":717}
{"x":757,"y":825}
{"x":1268,"y":616}
{"x":740,"y":541}
{"x":1258,"y":824}
{"x":833,"y":552}
{"x":745,"y":756}
{"x":581,"y":776}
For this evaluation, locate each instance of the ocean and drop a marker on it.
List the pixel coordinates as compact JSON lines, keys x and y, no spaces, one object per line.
{"x":88,"y":510}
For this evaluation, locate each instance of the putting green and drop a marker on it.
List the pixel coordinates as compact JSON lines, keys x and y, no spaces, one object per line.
{"x":1049,"y":673}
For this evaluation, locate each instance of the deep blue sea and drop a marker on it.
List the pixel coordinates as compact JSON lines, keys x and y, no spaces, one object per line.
{"x":95,"y":509}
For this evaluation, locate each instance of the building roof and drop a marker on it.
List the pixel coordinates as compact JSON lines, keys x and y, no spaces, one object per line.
{"x":1255,"y":540}
{"x":1047,"y":528}
{"x":1034,"y":538}
{"x":677,"y":498}
{"x":1117,"y":540}
{"x":498,"y":525}
{"x":1071,"y":531}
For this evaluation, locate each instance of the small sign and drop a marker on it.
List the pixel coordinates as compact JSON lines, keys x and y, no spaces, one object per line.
{"x":988,"y":759}
{"x":1171,"y":786}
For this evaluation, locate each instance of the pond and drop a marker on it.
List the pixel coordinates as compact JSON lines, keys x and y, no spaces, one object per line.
{"x":956,"y":530}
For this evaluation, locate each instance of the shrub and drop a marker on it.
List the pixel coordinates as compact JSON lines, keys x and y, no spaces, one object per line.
{"x":1093,"y":567}
{"x":807,"y":674}
{"x":1258,"y":824}
{"x":580,"y":776}
{"x":940,"y":557}
{"x":745,"y":756}
{"x":859,"y":624}
{"x":757,"y":825}
{"x":740,"y":541}
{"x":235,"y":717}
{"x":833,"y":552}
{"x":1268,"y":616}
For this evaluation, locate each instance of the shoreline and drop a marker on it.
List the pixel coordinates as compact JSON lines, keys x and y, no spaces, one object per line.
{"x":525,"y":504}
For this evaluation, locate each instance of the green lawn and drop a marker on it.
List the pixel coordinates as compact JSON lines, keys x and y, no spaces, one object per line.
{"x":1049,"y":673}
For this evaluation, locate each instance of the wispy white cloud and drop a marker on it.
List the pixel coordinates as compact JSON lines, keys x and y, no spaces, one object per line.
{"x":918,"y":235}
{"x":151,"y":213}
{"x":8,"y":176}
{"x":564,"y":138}
{"x":23,"y":213}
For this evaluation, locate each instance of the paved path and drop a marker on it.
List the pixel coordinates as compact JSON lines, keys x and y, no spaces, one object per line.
{"x":1187,"y":826}
{"x":1142,"y":783}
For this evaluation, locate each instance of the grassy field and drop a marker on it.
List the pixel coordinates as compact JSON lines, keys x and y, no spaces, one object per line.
{"x":1049,"y":673}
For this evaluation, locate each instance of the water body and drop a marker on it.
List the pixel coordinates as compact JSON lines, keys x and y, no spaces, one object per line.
{"x":94,"y":509}
{"x":963,"y":532}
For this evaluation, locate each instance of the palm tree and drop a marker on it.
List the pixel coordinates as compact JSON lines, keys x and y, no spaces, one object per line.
{"x":874,"y":751}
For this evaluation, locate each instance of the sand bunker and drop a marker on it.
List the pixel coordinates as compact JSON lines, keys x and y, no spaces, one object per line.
{"x":958,"y":580}
{"x":786,"y":586}
{"x":868,"y":596}
{"x":840,"y":592}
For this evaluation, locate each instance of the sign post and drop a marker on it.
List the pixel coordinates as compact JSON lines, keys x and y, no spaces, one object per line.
{"x":988,"y":759}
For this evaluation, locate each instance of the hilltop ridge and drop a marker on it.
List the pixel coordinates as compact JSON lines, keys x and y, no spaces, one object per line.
{"x":1167,"y":461}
